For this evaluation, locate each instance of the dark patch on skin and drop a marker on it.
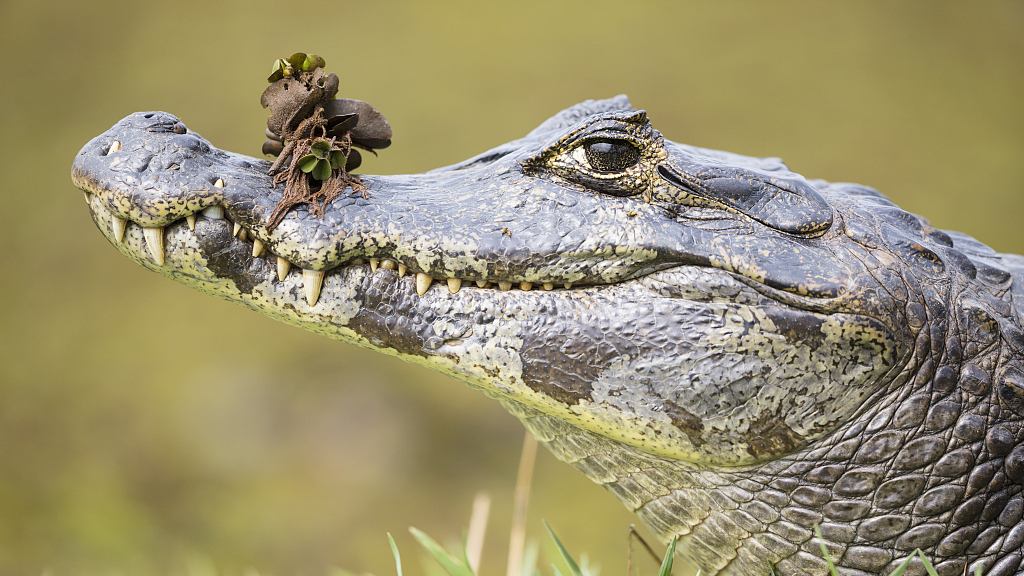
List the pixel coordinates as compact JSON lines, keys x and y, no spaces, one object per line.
{"x":230,"y":258}
{"x":797,"y":326}
{"x":386,"y":318}
{"x":770,"y":436}
{"x":567,"y":349}
{"x":686,"y":422}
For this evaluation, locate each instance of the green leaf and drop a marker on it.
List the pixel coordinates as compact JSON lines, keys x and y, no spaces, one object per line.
{"x":394,"y":550}
{"x":296,"y":60}
{"x":322,"y":170}
{"x":307,"y":162}
{"x":321,"y":149}
{"x":312,"y":62}
{"x":338,"y":159}
{"x":450,"y":563}
{"x":574,"y":569}
{"x":670,"y":554}
{"x":277,"y":71}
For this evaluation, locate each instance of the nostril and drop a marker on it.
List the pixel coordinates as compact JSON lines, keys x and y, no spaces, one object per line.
{"x":150,"y":115}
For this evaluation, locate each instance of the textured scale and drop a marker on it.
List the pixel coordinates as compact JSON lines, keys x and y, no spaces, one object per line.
{"x":738,"y":354}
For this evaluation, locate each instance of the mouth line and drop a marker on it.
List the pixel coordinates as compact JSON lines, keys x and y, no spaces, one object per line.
{"x":156,"y":252}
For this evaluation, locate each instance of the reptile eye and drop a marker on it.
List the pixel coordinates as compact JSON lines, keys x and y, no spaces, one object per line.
{"x":611,"y":155}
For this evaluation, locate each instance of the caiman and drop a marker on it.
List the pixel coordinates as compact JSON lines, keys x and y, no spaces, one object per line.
{"x":737,"y":353}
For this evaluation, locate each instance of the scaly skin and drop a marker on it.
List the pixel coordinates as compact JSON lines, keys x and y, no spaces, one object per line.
{"x":742,"y":354}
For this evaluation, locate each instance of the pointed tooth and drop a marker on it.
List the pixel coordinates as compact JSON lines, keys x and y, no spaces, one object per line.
{"x":236,"y":229}
{"x":548,"y":286}
{"x":155,"y":241}
{"x":374,"y":263}
{"x":482,"y":283}
{"x":114,"y":147}
{"x":86,"y":194}
{"x":402,"y":270}
{"x":257,"y":248}
{"x":282,"y":268}
{"x":423,"y":283}
{"x":505,"y":285}
{"x":526,"y":286}
{"x":568,"y":285}
{"x":312,"y":281}
{"x":219,"y":183}
{"x":191,"y":220}
{"x":454,"y":284}
{"x":118,"y":225}
{"x":389,"y":264}
{"x":215,"y":212}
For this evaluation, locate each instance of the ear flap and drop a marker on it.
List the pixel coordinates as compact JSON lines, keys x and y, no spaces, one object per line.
{"x":785,"y":202}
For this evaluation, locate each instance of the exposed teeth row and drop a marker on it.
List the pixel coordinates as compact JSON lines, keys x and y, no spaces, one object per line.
{"x":312,"y":280}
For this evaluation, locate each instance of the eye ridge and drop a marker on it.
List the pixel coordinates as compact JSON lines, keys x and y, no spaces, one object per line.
{"x":611,"y":154}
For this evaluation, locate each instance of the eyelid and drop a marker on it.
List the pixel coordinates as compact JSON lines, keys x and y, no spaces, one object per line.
{"x":603,"y":134}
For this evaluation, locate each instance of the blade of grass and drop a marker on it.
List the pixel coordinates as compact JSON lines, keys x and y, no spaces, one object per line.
{"x":520,"y":503}
{"x":670,"y":554}
{"x":477,"y":530}
{"x":530,"y":558}
{"x":574,"y":569}
{"x":394,"y":550}
{"x":903,"y":566}
{"x":927,"y":565}
{"x":824,"y":551}
{"x":451,"y":564}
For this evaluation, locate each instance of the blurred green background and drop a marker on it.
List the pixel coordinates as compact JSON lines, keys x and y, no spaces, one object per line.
{"x":149,"y":429}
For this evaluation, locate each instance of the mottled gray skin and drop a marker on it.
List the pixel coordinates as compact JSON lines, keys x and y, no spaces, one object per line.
{"x":743,"y":353}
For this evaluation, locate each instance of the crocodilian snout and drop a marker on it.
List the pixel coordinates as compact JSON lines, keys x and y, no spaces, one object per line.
{"x":152,"y":175}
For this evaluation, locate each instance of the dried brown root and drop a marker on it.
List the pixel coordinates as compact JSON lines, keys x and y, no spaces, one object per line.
{"x":298,"y":188}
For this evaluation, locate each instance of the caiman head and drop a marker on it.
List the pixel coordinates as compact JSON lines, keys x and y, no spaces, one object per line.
{"x":738,"y":353}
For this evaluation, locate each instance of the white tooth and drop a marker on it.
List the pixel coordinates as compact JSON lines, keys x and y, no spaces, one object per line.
{"x":454,"y":284}
{"x":114,"y":147}
{"x":482,"y":283}
{"x":549,"y":286}
{"x":257,"y":248}
{"x":568,"y":286}
{"x":191,"y":220}
{"x":215,"y":212}
{"x":282,"y":268}
{"x":423,"y":283}
{"x":401,"y":270}
{"x":505,"y":285}
{"x":388,"y":264}
{"x":219,"y":183}
{"x":237,"y":228}
{"x":374,"y":262}
{"x":118,"y":225}
{"x":243,"y":234}
{"x":312,"y":281}
{"x":526,"y":285}
{"x":155,"y":241}
{"x":86,"y":194}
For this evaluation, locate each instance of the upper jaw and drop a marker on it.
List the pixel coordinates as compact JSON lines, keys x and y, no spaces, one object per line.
{"x":481,"y":223}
